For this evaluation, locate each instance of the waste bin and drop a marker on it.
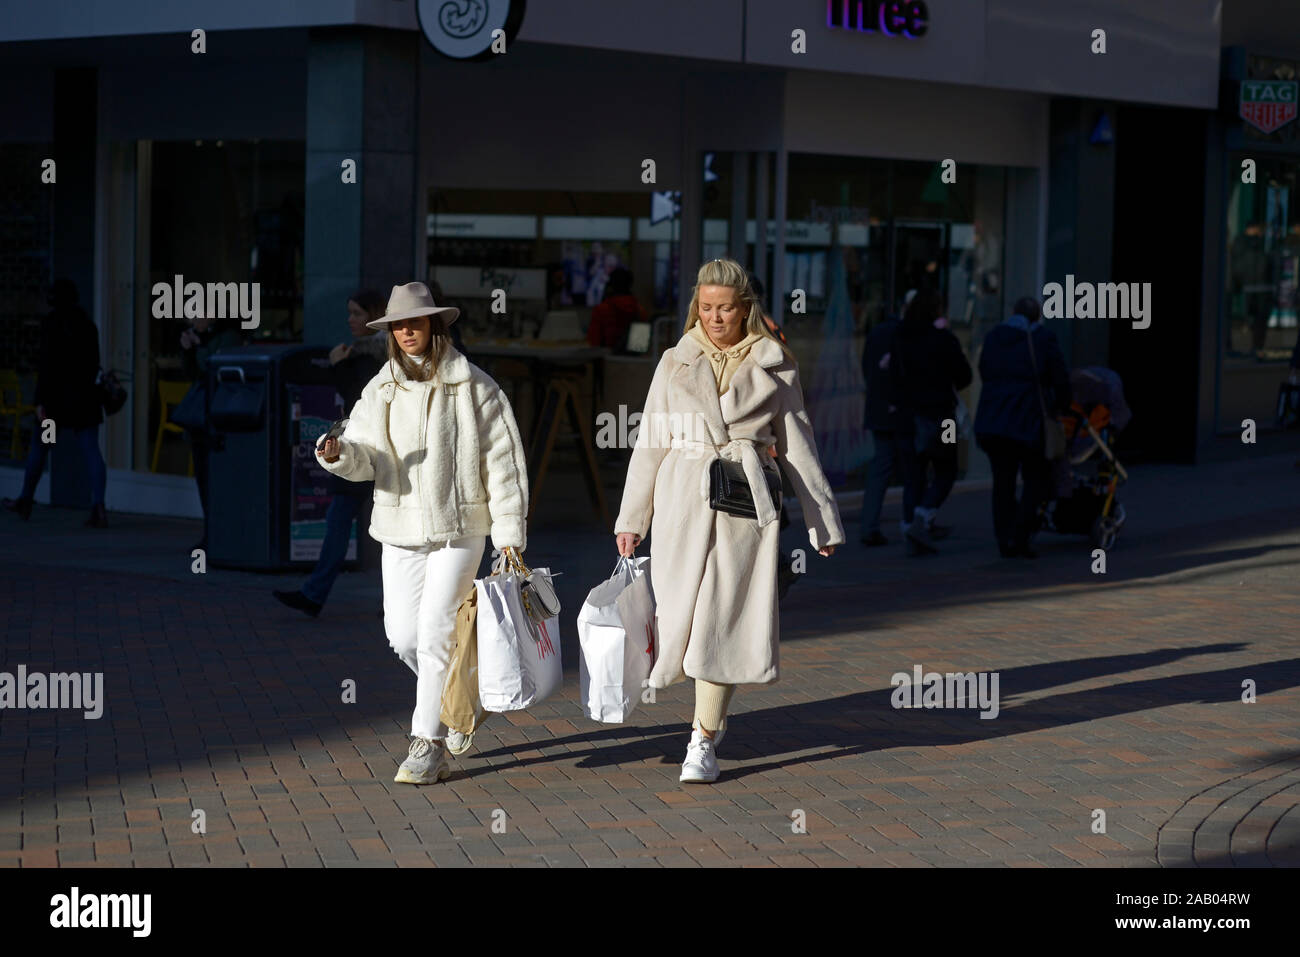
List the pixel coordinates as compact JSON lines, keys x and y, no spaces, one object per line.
{"x":267,"y":494}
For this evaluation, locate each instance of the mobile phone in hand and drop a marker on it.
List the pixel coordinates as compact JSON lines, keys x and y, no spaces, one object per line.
{"x":335,"y":431}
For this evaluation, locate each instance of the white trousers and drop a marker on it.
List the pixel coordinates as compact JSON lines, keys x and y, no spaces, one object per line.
{"x":423,"y":588}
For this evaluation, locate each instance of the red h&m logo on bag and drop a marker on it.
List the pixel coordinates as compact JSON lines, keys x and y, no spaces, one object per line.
{"x":544,"y":646}
{"x":650,"y":639}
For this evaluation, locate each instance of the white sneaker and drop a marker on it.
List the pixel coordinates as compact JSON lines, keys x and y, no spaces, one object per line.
{"x":458,"y":743}
{"x":426,"y":763}
{"x":701,"y":764}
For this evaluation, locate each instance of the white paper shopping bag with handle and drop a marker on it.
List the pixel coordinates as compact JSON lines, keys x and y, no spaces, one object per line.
{"x":616,"y":632}
{"x":518,"y":655}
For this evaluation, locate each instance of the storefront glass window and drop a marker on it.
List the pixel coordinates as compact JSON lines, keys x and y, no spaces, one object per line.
{"x":1263,"y":262}
{"x":860,"y":235}
{"x":25,"y":254}
{"x":220,"y":212}
{"x":553,"y":252}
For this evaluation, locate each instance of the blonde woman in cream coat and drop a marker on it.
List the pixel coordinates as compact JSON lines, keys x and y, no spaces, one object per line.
{"x":729,"y":388}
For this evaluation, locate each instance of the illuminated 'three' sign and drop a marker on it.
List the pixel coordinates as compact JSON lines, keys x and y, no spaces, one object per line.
{"x":893,"y":18}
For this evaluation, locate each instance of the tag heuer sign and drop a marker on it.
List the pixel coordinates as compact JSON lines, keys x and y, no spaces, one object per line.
{"x":463,"y":29}
{"x":1268,"y":105}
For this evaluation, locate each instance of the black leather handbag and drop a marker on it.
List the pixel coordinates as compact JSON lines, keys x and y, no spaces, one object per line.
{"x":729,"y":489}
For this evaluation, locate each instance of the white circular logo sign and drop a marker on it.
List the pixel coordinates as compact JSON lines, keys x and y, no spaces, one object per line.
{"x":464,"y":29}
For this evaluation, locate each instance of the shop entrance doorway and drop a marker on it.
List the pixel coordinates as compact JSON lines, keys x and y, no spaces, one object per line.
{"x":918,"y":259}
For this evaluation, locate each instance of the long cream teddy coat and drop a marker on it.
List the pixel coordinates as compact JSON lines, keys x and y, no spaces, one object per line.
{"x":445,"y":456}
{"x":714,"y":574}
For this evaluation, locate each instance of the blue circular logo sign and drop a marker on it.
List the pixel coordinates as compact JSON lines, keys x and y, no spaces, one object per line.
{"x":465,"y":29}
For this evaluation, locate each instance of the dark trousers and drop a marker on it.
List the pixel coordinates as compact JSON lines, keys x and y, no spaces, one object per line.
{"x":87,"y":442}
{"x":1014,"y":521}
{"x":893,"y":449}
{"x":933,"y":492}
{"x":344,"y":507}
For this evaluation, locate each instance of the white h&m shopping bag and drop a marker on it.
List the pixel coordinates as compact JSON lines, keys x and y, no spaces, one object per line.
{"x":619,"y":642}
{"x":518,"y":657}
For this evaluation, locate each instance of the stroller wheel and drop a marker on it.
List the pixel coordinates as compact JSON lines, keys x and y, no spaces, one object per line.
{"x":1104,"y":532}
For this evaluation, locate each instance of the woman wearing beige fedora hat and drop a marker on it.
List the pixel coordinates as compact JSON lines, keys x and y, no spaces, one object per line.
{"x":438,"y":438}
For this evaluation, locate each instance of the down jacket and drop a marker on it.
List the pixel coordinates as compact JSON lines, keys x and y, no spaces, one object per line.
{"x":445,"y":457}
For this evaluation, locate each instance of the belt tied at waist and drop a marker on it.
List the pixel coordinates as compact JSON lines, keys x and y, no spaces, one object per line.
{"x":746,"y":452}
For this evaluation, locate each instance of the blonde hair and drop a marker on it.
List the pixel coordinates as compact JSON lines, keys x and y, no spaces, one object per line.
{"x":439,"y":340}
{"x":729,"y":273}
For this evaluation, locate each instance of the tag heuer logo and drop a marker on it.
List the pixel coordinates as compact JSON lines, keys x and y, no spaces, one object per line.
{"x":1268,"y":105}
{"x":466,"y":29}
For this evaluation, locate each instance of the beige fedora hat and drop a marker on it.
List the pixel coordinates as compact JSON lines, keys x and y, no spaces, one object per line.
{"x":411,"y":300}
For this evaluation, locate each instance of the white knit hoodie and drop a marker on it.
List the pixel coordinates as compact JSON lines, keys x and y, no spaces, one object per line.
{"x":445,"y":456}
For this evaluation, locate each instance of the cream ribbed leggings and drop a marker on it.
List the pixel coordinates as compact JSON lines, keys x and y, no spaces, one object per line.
{"x":711,"y":704}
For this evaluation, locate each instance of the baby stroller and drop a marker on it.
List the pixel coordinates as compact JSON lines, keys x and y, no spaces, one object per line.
{"x":1088,"y":476}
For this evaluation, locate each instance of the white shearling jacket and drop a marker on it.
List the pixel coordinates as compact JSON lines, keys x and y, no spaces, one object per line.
{"x":445,"y":456}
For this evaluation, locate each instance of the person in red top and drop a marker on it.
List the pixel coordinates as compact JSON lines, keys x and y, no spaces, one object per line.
{"x":618,"y":310}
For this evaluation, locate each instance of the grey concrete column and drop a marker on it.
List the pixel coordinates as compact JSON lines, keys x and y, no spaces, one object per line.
{"x":739,"y":205}
{"x":76,"y":113}
{"x":691,"y":218}
{"x":776,"y":292}
{"x":362,"y":104}
{"x":762,"y":181}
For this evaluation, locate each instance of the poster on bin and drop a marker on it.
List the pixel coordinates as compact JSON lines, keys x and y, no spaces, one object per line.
{"x":312,"y":409}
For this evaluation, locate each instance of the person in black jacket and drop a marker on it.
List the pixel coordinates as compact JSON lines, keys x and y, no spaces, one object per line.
{"x":66,"y":392}
{"x":928,"y":367}
{"x":891,"y":434}
{"x":353,"y":366}
{"x":1016,"y":385}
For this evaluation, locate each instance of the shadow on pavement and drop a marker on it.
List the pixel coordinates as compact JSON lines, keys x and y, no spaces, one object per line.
{"x":865,"y":722}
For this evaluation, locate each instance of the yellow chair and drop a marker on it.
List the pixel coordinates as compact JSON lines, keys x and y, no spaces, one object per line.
{"x":170,"y":394}
{"x":12,"y":404}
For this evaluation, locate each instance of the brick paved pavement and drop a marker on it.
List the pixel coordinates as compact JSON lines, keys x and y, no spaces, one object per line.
{"x":1119,"y":693}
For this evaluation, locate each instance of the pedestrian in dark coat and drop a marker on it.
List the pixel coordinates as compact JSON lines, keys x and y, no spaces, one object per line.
{"x":892,"y":434}
{"x":67,"y":394}
{"x":352,"y":365}
{"x":928,"y":368}
{"x":1009,"y":420}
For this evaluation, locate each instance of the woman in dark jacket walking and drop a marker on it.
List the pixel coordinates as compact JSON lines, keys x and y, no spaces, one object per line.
{"x":66,"y":393}
{"x":928,"y":368}
{"x":353,"y":366}
{"x":1018,"y":382}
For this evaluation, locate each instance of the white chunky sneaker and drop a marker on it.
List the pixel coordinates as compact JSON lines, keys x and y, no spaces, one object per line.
{"x":426,"y":763}
{"x":458,"y":743}
{"x":701,"y":764}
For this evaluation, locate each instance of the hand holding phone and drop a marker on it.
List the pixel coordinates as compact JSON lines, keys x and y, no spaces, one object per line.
{"x":327,"y":446}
